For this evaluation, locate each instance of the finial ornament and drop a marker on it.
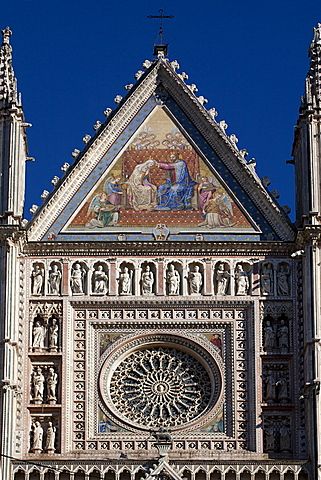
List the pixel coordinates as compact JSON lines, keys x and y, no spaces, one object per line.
{"x":317,"y":34}
{"x":6,"y":34}
{"x":160,"y":49}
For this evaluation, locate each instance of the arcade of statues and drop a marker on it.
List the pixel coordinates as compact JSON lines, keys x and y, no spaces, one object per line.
{"x":161,"y":311}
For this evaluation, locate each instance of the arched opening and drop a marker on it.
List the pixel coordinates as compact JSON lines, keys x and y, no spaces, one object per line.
{"x":125,"y":475}
{"x":245,"y":475}
{"x":80,"y":475}
{"x":139,"y":474}
{"x":64,"y":475}
{"x":303,"y":475}
{"x":216,"y":475}
{"x":231,"y":475}
{"x":20,"y":475}
{"x":260,"y":476}
{"x":289,"y":475}
{"x":187,"y":474}
{"x":34,"y":475}
{"x":50,"y":475}
{"x":275,"y":475}
{"x":110,"y":475}
{"x":94,"y":475}
{"x":200,"y":475}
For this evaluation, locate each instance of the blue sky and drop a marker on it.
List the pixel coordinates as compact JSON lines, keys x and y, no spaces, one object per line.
{"x":72,"y":57}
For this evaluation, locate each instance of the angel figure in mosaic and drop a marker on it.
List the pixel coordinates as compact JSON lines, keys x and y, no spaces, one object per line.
{"x":104,"y":212}
{"x":113,"y":190}
{"x":205,"y":190}
{"x":218,"y":210}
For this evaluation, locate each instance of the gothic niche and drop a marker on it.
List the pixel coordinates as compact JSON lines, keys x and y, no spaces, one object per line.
{"x":54,"y":279}
{"x":99,"y":279}
{"x":37,"y":279}
{"x":39,"y":333}
{"x":147,"y":279}
{"x":44,"y":381}
{"x":126,"y":279}
{"x":173,"y":278}
{"x":276,"y":334}
{"x":222,"y":278}
{"x":160,"y":386}
{"x":242,"y":276}
{"x":276,"y":387}
{"x":277,"y":434}
{"x":78,"y":279}
{"x":53,"y":334}
{"x":283,"y":279}
{"x":195,"y":279}
{"x":267,"y":279}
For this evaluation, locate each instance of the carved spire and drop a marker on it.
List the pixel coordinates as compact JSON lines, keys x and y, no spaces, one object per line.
{"x":313,"y":82}
{"x":13,"y":141}
{"x":8,"y":82}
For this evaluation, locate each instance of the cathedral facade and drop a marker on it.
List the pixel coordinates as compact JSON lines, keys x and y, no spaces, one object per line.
{"x":160,"y":313}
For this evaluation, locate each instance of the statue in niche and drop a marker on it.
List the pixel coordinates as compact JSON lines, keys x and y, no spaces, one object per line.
{"x":38,"y":381}
{"x":54,"y":280}
{"x":37,"y":431}
{"x":282,"y":384}
{"x":147,"y":281}
{"x":269,"y":335}
{"x":100,"y":280}
{"x":270,"y":387}
{"x":125,"y":282}
{"x":285,"y":439}
{"x":269,"y":438}
{"x":52,"y":380}
{"x":50,"y":438}
{"x":267,"y":279}
{"x":37,"y":280}
{"x":283,"y":335}
{"x":222,"y":277}
{"x":173,"y":280}
{"x":77,"y":276}
{"x":242,"y":280}
{"x":195,"y":281}
{"x":53,"y":333}
{"x":282,"y":279}
{"x":38,"y":334}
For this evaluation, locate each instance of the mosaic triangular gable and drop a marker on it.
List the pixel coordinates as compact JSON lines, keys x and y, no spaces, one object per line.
{"x":159,"y":172}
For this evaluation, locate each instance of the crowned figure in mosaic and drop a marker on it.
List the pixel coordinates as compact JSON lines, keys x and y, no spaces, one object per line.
{"x":177,"y":192}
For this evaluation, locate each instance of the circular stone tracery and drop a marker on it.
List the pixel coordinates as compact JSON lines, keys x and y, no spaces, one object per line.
{"x":160,"y":386}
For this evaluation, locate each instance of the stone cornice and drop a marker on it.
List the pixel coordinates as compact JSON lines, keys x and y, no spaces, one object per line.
{"x":204,"y":249}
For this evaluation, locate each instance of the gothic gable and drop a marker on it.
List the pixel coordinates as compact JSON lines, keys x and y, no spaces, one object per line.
{"x":161,"y":167}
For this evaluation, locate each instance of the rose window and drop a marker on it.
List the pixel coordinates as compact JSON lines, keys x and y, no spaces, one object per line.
{"x":160,"y":386}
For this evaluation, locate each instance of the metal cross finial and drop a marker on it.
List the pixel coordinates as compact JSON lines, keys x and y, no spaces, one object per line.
{"x":160,"y":16}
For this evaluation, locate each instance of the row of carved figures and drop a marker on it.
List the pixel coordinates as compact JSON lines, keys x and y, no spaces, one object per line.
{"x":37,"y":437}
{"x":83,"y":280}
